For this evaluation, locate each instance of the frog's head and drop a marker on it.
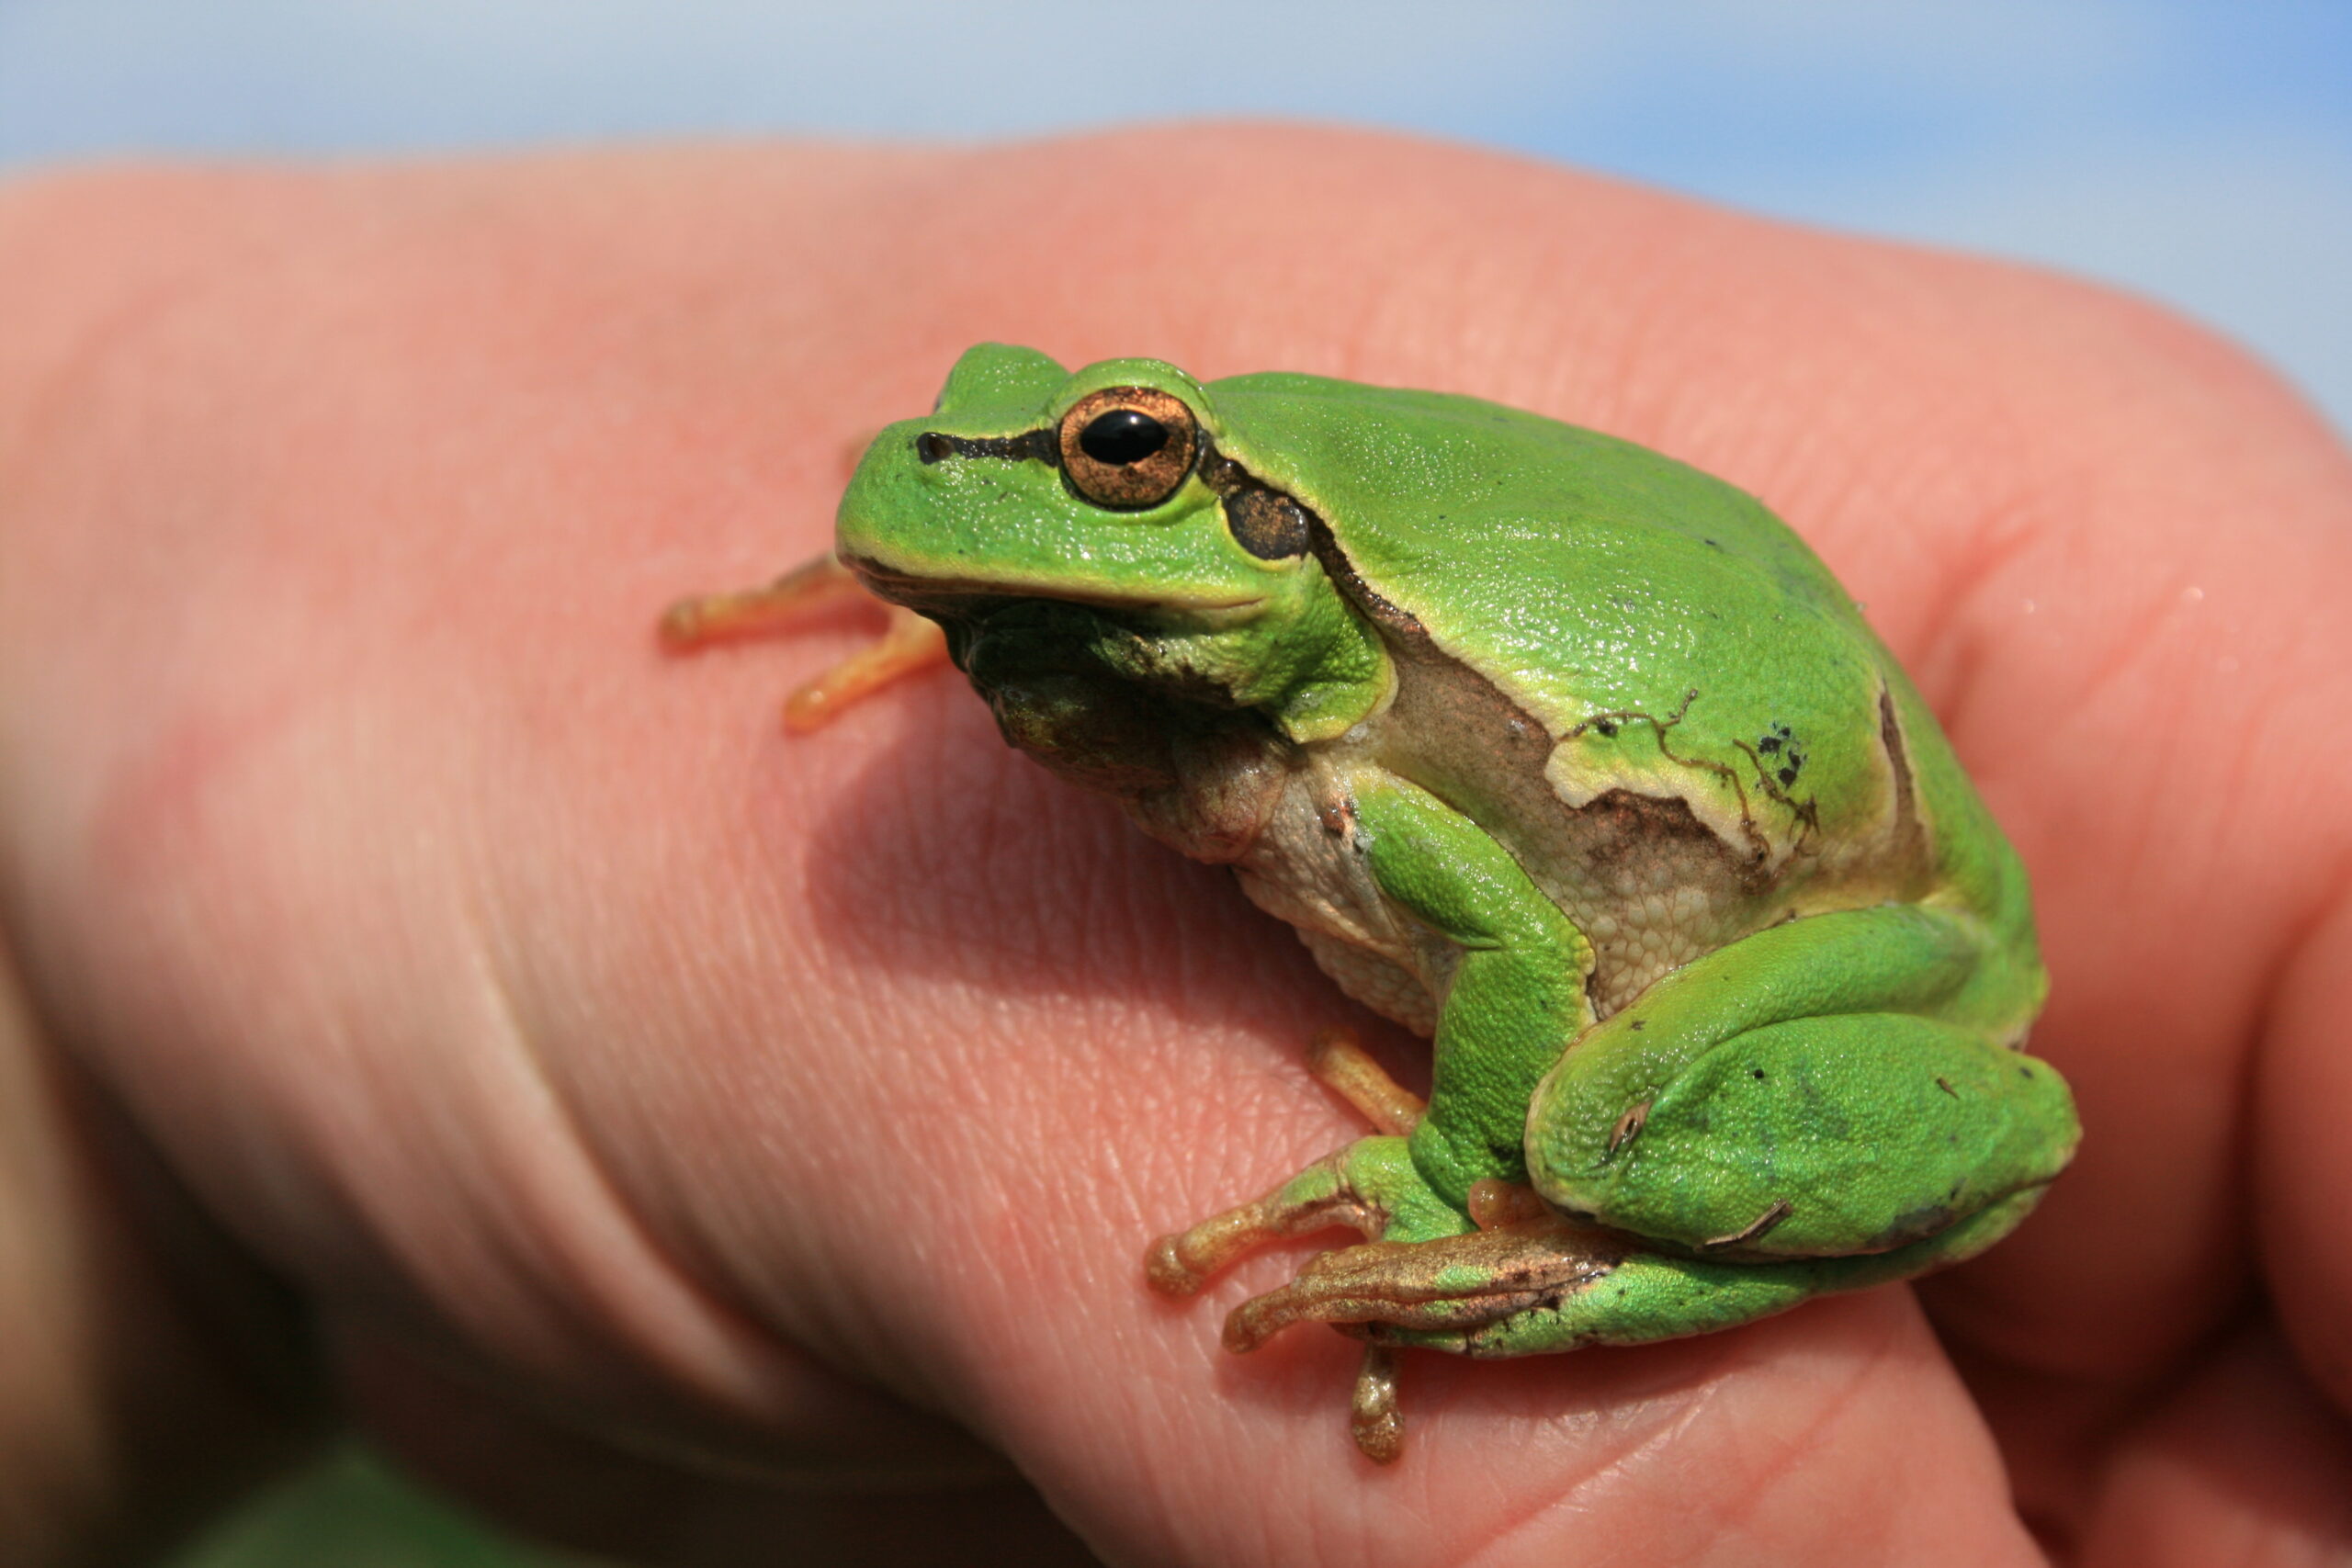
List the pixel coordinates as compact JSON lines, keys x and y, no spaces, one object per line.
{"x":1075,"y":531}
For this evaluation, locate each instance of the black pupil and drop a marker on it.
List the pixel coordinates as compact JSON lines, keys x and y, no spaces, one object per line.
{"x":1121,"y":436}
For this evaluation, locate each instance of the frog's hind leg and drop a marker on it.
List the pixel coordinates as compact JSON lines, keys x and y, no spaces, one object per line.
{"x":1835,"y":1086}
{"x":1550,"y":1284}
{"x":908,"y":643}
{"x":1824,"y":1106}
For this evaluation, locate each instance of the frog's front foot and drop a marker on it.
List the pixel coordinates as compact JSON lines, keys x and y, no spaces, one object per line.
{"x":908,"y":645}
{"x":1351,"y":1187}
{"x":1429,"y":1275}
{"x":1371,"y":1187}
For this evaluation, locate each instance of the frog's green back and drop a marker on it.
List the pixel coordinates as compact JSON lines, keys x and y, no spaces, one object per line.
{"x":1589,"y":578}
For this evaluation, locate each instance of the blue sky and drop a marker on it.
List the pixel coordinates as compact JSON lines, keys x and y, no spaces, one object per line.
{"x":2198,"y":152}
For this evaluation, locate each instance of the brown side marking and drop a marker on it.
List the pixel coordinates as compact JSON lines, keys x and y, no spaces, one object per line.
{"x":1629,"y":1126}
{"x":1243,"y":489}
{"x":1759,"y":848}
{"x":1396,"y":621}
{"x":1756,"y":1229}
{"x":1907,"y":827}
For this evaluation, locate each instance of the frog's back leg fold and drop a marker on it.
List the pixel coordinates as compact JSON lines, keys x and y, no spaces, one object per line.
{"x":1836,"y":1086}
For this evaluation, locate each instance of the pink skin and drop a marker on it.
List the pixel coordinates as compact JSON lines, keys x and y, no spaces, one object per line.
{"x":622,"y":1085}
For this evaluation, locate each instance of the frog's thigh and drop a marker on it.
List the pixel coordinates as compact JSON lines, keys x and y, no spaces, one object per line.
{"x":1516,"y":998}
{"x":1735,"y":1109}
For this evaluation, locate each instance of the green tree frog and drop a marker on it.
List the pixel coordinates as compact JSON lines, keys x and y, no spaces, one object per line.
{"x":1552,"y":748}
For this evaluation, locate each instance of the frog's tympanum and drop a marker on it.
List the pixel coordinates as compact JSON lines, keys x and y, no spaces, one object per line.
{"x":1551,"y":749}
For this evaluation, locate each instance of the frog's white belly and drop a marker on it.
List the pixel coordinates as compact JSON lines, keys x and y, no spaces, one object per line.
{"x":1308,"y":868}
{"x":1646,"y":878}
{"x":1647,"y":904}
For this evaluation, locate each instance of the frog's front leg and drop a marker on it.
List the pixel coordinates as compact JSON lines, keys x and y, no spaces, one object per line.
{"x":908,"y":643}
{"x":1514,"y":999}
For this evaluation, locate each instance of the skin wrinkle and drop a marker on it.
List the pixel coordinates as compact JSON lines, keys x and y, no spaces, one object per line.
{"x":1743,"y":1505}
{"x":1722,"y":436}
{"x":1951,"y":635}
{"x":763,"y":1374}
{"x":1575,"y":1495}
{"x":2133,"y":646}
{"x":1796,"y":1449}
{"x":1643,"y":403}
{"x":2241,"y":772}
{"x":808,"y":1406}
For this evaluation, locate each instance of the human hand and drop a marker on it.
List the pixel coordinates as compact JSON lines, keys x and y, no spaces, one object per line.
{"x":623,"y":1088}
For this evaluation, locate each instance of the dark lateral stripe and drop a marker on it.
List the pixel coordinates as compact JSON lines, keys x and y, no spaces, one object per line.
{"x":1030,"y":446}
{"x":1898,"y":761}
{"x":1234,"y":482}
{"x":1342,"y":571}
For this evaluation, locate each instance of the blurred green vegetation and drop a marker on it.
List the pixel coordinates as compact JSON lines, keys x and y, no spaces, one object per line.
{"x":352,"y":1510}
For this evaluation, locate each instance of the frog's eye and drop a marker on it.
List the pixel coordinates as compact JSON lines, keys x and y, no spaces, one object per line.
{"x":1128,"y":446}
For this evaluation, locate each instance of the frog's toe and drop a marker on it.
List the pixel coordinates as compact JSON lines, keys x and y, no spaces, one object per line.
{"x":1317,"y":1198}
{"x":707,"y":618}
{"x":907,"y":646}
{"x":908,"y":643}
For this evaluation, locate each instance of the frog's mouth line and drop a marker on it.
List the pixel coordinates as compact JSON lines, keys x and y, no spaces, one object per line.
{"x":966,"y":598}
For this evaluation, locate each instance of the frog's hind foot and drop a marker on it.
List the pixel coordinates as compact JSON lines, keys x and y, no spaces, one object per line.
{"x":1440,"y":1287}
{"x":908,"y":643}
{"x":1446,"y":1293}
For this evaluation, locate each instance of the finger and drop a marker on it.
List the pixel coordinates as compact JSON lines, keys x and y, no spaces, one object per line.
{"x":555,"y":1481}
{"x":121,"y":1308}
{"x":2304,"y":1171}
{"x":2245,"y":1463}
